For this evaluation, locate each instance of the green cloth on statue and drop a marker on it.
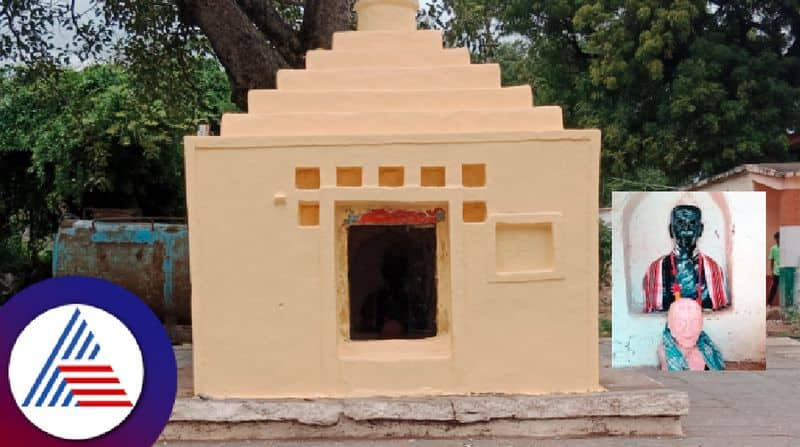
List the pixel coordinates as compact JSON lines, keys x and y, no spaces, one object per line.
{"x":676,"y":361}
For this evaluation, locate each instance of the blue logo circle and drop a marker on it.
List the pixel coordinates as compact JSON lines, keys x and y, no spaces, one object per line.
{"x":73,"y":363}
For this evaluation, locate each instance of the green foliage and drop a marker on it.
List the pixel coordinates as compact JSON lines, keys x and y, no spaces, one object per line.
{"x":146,"y":37}
{"x":605,"y":253}
{"x":680,"y":89}
{"x":793,"y":317}
{"x":164,"y":42}
{"x":605,"y":327}
{"x":92,"y":138}
{"x":472,"y":24}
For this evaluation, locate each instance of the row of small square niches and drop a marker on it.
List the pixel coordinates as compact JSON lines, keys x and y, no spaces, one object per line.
{"x":308,"y":213}
{"x":472,"y":176}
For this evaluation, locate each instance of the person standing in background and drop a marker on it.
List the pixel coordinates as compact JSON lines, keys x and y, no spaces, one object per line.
{"x":775,"y":258}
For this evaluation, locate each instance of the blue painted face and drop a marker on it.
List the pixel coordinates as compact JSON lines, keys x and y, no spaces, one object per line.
{"x":686,"y":226}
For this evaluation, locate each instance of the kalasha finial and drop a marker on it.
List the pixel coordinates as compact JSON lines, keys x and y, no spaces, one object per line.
{"x":387,"y":15}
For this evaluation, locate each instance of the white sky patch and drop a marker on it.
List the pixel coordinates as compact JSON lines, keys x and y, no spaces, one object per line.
{"x":62,"y":37}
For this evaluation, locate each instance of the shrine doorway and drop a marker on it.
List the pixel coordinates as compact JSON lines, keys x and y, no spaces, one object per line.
{"x":392,"y":281}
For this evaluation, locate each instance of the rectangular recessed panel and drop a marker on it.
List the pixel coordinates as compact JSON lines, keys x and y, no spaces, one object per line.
{"x":473,"y":175}
{"x":390,"y":176}
{"x":524,"y":247}
{"x":474,"y":212}
{"x":308,"y":214}
{"x":306,"y":178}
{"x":432,"y":176}
{"x":350,"y":176}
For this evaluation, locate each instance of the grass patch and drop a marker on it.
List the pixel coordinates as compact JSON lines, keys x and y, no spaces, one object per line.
{"x":793,"y":317}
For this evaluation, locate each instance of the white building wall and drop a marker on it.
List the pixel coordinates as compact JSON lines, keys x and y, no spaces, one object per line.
{"x":739,"y":182}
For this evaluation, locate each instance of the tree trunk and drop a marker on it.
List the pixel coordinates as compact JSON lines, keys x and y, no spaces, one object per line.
{"x":252,"y":43}
{"x":322,"y":18}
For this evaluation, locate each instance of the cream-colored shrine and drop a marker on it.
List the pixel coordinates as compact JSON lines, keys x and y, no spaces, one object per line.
{"x":390,"y":221}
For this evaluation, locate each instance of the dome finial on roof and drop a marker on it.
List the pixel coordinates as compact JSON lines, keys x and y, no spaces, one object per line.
{"x":387,"y":15}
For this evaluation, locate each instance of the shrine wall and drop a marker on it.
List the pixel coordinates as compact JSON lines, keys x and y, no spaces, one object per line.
{"x":267,"y":280}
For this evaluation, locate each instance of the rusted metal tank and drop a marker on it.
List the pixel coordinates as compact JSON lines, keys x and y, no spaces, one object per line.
{"x":148,"y":256}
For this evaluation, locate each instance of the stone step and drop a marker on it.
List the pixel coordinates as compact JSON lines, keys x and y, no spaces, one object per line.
{"x":331,"y":60}
{"x":419,"y":78}
{"x":383,"y":40}
{"x":372,"y":123}
{"x":649,"y":412}
{"x":275,"y":101}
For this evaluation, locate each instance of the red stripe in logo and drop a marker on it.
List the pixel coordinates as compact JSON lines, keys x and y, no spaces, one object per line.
{"x":99,"y":392}
{"x":99,"y":403}
{"x":84,"y":368}
{"x":91,"y":380}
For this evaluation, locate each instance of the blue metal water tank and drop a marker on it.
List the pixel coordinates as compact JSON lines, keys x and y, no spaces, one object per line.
{"x":148,"y":256}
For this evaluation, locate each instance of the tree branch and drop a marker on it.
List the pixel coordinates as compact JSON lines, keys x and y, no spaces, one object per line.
{"x":249,"y":60}
{"x":76,"y":23}
{"x":321,"y":18}
{"x":281,"y":34}
{"x":21,"y":46}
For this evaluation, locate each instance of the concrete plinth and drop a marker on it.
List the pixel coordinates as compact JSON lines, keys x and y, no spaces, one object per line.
{"x":642,"y":412}
{"x":633,"y":405}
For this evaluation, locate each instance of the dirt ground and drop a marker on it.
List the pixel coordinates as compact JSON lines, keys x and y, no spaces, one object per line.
{"x":781,"y":323}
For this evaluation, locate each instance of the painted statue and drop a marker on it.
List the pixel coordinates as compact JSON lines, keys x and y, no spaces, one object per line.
{"x":685,"y":346}
{"x":685,"y":273}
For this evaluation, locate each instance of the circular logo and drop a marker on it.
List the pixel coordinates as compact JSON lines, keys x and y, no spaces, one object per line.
{"x":76,"y":356}
{"x":87,"y":361}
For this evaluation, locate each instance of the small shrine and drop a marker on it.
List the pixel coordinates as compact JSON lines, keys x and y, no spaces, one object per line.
{"x":390,"y":221}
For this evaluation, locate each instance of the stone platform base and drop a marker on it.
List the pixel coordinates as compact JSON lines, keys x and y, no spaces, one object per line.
{"x":631,"y":412}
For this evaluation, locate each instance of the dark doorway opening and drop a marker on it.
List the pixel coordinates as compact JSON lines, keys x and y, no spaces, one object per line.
{"x":392,"y":281}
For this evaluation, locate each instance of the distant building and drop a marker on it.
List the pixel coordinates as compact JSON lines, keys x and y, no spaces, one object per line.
{"x":780,"y":182}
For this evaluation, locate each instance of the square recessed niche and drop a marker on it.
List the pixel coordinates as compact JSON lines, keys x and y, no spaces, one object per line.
{"x":524,"y":247}
{"x":474,"y":212}
{"x":473,"y":175}
{"x":308,"y":214}
{"x":306,"y":178}
{"x":432,"y":176}
{"x":348,"y":176}
{"x":391,"y":176}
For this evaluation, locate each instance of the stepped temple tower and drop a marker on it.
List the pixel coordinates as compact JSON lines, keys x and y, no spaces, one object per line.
{"x":390,"y":221}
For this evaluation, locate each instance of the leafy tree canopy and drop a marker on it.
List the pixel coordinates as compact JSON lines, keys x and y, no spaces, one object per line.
{"x":681,"y":89}
{"x":159,"y":40}
{"x":76,"y":139}
{"x":110,"y":135}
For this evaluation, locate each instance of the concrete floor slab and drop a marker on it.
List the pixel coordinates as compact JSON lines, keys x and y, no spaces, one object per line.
{"x":731,"y":408}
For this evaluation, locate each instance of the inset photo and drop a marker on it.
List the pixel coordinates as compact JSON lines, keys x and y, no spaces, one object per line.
{"x":688,"y":280}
